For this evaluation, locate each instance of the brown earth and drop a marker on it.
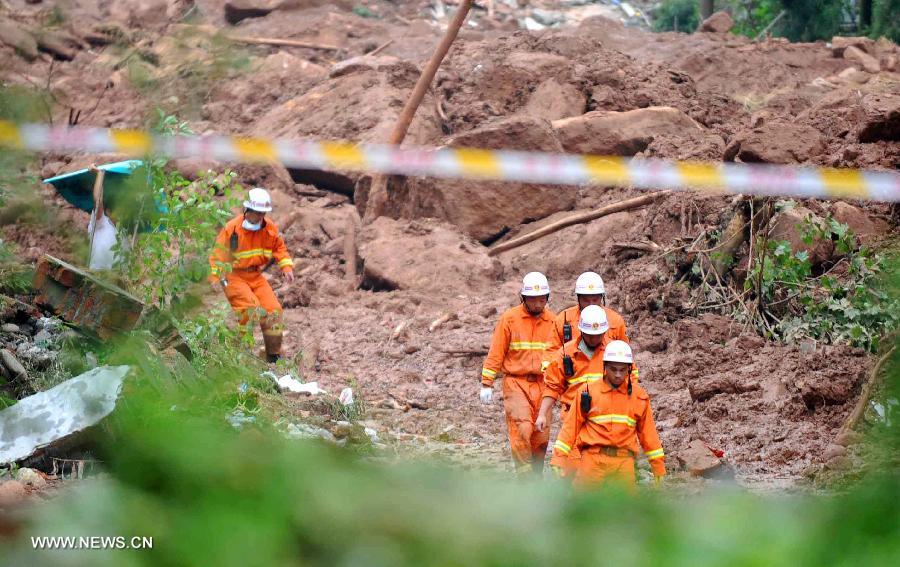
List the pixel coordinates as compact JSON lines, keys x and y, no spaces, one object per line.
{"x":771,"y":408}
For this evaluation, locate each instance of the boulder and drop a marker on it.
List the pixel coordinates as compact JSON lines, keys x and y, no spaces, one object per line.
{"x":882,"y":118}
{"x":484,"y":210}
{"x":776,"y":141}
{"x":15,"y":36}
{"x":718,"y":22}
{"x":865,"y":60}
{"x":788,"y":227}
{"x":859,"y":221}
{"x":854,"y":75}
{"x":30,"y":477}
{"x":622,"y":133}
{"x":553,"y":101}
{"x":698,"y":459}
{"x":435,"y":256}
{"x":840,"y":43}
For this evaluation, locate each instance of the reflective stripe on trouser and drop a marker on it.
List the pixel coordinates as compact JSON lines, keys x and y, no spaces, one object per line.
{"x":252,"y":298}
{"x":573,"y":459}
{"x":248,"y":292}
{"x":596,"y":468}
{"x":522,"y":400}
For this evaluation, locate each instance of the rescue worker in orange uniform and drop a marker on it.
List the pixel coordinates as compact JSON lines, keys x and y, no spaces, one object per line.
{"x":607,"y":422}
{"x":519,"y":351}
{"x":243,"y":250}
{"x":589,"y":290}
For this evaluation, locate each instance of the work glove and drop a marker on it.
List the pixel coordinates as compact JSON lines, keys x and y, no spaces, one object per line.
{"x":486,"y":395}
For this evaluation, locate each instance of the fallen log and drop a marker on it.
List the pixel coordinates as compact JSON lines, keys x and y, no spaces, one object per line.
{"x":283,"y":42}
{"x":580,"y":218}
{"x":865,"y":394}
{"x":381,"y":47}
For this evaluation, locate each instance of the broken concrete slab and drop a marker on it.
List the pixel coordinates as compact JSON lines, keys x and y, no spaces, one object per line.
{"x":96,"y":307}
{"x":698,"y":459}
{"x":47,"y":418}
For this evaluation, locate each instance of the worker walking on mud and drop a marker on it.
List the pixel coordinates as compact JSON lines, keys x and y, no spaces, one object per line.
{"x":519,"y":351}
{"x":589,"y":290}
{"x":607,"y":326}
{"x":610,"y":418}
{"x":244,"y":249}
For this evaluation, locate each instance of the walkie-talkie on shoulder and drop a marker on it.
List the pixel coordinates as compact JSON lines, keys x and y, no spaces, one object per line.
{"x":568,"y":365}
{"x":233,"y":242}
{"x":567,"y":329}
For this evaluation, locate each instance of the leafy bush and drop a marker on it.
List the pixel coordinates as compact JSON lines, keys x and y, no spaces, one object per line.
{"x":676,"y":15}
{"x":843,"y":305}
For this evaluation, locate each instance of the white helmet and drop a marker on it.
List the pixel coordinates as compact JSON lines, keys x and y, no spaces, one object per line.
{"x":589,"y":283}
{"x":535,"y":284}
{"x":618,"y":351}
{"x":258,"y":199}
{"x":593,"y":321}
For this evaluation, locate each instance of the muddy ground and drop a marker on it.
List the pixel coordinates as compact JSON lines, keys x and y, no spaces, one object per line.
{"x":773,"y":410}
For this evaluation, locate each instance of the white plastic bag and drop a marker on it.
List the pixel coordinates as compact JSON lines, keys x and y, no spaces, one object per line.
{"x":105,"y":237}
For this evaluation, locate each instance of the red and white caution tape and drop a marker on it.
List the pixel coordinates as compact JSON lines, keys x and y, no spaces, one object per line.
{"x":462,"y":163}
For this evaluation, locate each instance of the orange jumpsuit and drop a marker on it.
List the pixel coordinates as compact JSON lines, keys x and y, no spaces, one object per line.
{"x":519,"y":350}
{"x":616,"y":332}
{"x":605,"y":441}
{"x":247,"y":290}
{"x":564,"y":389}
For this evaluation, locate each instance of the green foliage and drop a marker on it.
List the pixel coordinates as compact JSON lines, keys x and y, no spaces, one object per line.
{"x":886,"y":19}
{"x":211,"y":495}
{"x":752,"y":17}
{"x":15,"y":277}
{"x":677,"y":15}
{"x":844,"y":305}
{"x":173,"y":256}
{"x":805,"y":20}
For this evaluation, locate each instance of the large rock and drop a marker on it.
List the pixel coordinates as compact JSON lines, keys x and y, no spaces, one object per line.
{"x":839,"y":44}
{"x":698,"y":459}
{"x":719,"y":22}
{"x":553,"y":101}
{"x":788,"y":226}
{"x":482,"y":209}
{"x":867,"y":62}
{"x":776,"y":142}
{"x":859,"y":221}
{"x":13,"y":35}
{"x":622,"y":133}
{"x":434,"y":257}
{"x":882,"y":118}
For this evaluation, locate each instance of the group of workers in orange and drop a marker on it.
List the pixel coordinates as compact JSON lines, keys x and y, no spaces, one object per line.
{"x":581,"y":358}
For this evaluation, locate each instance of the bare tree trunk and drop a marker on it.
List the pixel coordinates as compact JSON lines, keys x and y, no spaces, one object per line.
{"x":378,"y":196}
{"x":706,"y":8}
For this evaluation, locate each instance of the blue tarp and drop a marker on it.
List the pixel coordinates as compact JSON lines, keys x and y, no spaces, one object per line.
{"x":77,"y":187}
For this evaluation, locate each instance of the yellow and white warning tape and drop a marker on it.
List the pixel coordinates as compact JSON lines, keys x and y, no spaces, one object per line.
{"x":486,"y":165}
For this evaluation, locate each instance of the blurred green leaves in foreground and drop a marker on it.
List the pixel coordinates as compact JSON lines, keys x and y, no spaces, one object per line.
{"x":209,"y":494}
